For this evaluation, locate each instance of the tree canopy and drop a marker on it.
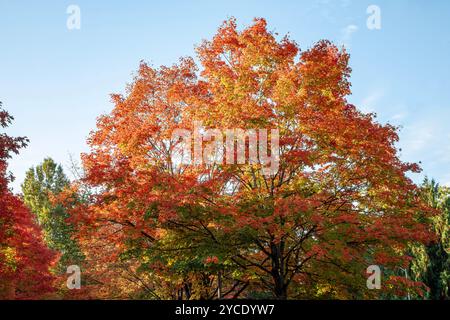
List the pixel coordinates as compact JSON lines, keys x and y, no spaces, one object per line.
{"x":339,"y":201}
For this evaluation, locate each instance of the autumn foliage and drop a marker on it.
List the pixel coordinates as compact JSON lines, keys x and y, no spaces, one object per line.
{"x":152,"y":227}
{"x":25,"y":261}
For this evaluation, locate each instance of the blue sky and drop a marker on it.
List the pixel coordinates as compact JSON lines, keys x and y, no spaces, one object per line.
{"x":55,"y":81}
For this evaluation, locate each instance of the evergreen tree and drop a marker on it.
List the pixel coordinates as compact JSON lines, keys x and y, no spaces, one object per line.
{"x":432,"y":262}
{"x":40,"y":184}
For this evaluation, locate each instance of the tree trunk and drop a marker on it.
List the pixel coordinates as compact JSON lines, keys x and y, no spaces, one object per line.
{"x":279,"y":281}
{"x":219,"y":285}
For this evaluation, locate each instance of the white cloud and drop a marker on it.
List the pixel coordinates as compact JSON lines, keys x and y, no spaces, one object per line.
{"x":330,"y":10}
{"x":369,"y":103}
{"x":417,"y":138}
{"x":399,"y":116}
{"x":397,"y":113}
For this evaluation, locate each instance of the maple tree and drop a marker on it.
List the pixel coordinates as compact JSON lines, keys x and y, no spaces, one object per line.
{"x":24,"y":258}
{"x":339,"y":201}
